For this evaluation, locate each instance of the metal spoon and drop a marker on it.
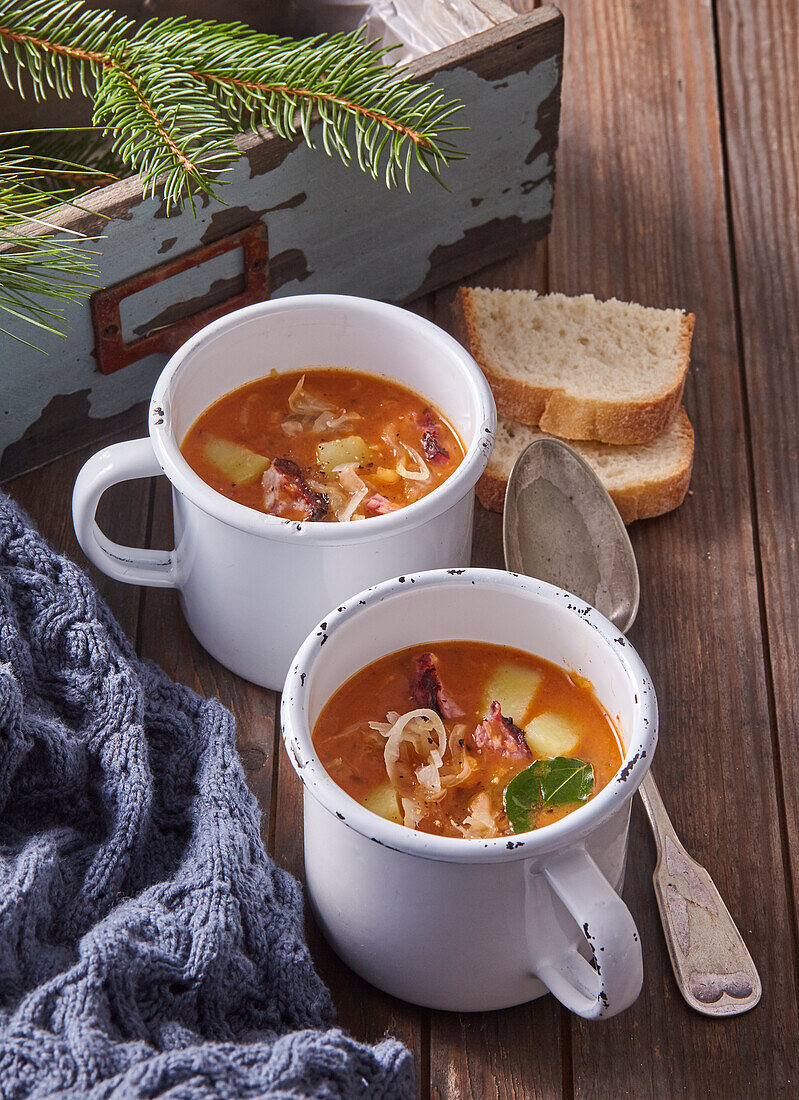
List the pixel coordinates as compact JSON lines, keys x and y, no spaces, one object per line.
{"x":560,"y":525}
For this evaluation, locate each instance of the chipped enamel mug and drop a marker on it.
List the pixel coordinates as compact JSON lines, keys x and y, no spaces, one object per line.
{"x":471,"y":925}
{"x":252,"y":585}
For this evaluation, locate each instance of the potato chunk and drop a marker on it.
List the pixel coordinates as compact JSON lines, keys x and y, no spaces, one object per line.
{"x":551,"y":734}
{"x":385,"y":476}
{"x":514,"y":687}
{"x":238,"y":463}
{"x":335,"y":452}
{"x":383,"y":802}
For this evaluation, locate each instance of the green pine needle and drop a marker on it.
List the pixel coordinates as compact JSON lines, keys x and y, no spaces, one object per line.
{"x":173,"y":93}
{"x":39,"y":272}
{"x":169,"y":98}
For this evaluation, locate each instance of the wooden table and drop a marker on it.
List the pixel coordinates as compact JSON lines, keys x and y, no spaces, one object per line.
{"x":678,"y":185}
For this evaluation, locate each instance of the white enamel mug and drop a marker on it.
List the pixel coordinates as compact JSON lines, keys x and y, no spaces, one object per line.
{"x":252,"y":585}
{"x":471,"y":925}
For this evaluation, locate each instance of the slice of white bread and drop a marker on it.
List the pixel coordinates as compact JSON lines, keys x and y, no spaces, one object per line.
{"x":577,"y":367}
{"x":644,"y":479}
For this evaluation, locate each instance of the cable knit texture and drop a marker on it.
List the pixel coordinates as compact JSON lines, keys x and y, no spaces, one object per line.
{"x":148,"y":945}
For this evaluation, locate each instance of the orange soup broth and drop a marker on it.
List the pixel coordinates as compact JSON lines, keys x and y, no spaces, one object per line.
{"x":352,"y":753}
{"x":253,"y":416}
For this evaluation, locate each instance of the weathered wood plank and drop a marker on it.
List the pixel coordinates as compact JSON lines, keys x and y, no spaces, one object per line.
{"x":641,"y":214}
{"x":508,"y":1055}
{"x":496,"y":10}
{"x":515,"y":1054}
{"x":46,"y":496}
{"x":166,"y":638}
{"x":758,"y":46}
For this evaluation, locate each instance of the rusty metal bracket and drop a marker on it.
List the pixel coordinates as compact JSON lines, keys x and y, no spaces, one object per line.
{"x":113,"y":352}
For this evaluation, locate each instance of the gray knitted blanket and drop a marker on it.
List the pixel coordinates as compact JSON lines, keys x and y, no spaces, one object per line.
{"x":148,"y":945}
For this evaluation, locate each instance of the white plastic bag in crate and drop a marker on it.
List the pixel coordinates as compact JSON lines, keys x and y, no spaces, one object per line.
{"x":414,"y":27}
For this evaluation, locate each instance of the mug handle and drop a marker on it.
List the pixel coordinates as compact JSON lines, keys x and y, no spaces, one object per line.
{"x":120,"y":462}
{"x":612,"y":981}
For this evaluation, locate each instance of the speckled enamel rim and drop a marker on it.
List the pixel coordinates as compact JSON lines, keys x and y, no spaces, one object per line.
{"x":187,"y":482}
{"x":567,"y":831}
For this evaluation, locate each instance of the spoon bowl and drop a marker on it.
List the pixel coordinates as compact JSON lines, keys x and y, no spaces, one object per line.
{"x":561,"y":526}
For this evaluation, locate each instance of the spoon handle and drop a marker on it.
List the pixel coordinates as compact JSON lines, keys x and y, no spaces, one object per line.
{"x":714,"y":970}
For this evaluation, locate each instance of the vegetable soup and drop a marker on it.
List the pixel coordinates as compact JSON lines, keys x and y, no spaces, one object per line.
{"x":467,"y":739}
{"x":323,"y":445}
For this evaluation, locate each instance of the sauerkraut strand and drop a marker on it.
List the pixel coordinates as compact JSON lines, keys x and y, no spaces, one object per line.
{"x":459,"y":758}
{"x":330,"y":420}
{"x":412,"y":812}
{"x":352,"y":484}
{"x":481,"y":821}
{"x":428,"y":775}
{"x":420,"y":729}
{"x":422,"y":471}
{"x":307,"y":404}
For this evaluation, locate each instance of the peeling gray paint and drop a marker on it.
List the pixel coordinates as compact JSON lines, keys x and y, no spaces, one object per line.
{"x":356,"y":237}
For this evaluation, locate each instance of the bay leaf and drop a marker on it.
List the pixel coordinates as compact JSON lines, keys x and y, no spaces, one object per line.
{"x":546,"y":783}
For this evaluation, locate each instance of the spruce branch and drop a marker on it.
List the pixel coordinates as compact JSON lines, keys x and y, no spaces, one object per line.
{"x":175,"y":137}
{"x":38,"y":271}
{"x":169,"y":98}
{"x":174,"y":92}
{"x":65,"y":162}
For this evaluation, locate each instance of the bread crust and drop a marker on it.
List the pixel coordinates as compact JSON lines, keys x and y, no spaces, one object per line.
{"x":567,"y":415}
{"x":642,"y":501}
{"x":645,"y":502}
{"x":490,"y":491}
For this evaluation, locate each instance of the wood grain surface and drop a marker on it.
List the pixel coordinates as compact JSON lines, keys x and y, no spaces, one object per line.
{"x":641,"y":214}
{"x":46,"y":496}
{"x":759,"y":46}
{"x":678,"y":181}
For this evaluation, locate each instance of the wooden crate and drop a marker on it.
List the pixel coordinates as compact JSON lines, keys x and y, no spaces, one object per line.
{"x":295,"y":222}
